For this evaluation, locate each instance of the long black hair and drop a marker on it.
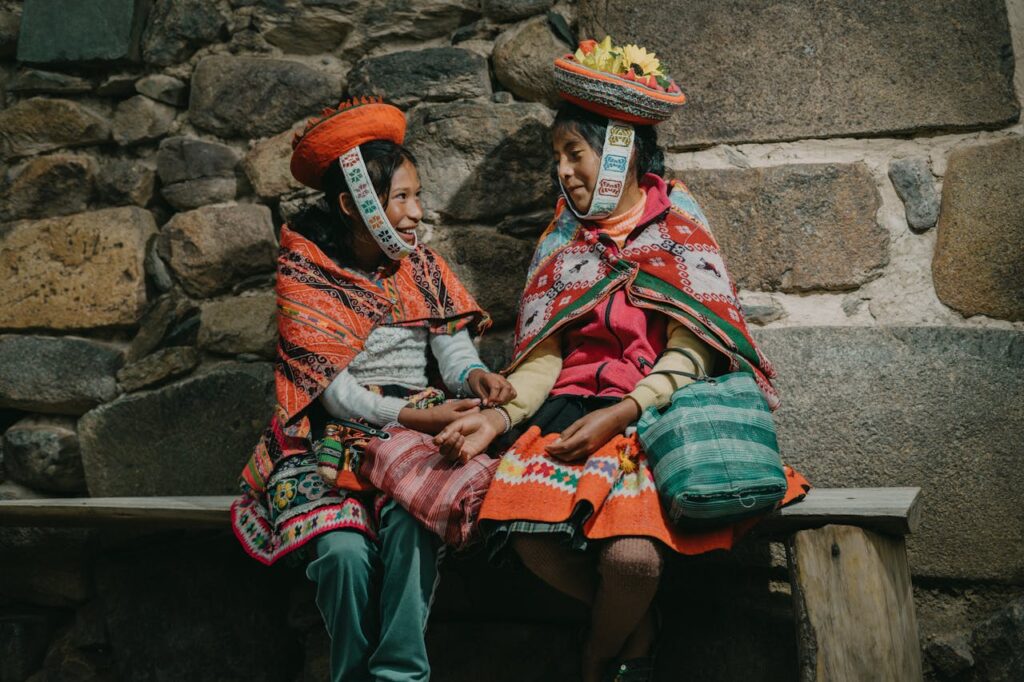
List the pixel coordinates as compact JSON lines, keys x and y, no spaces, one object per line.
{"x":592,"y":127}
{"x":325,"y":223}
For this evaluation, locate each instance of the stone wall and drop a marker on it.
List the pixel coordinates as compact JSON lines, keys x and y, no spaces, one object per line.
{"x":862,"y":164}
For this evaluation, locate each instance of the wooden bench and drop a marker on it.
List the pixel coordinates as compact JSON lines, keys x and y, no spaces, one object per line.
{"x":848,"y":568}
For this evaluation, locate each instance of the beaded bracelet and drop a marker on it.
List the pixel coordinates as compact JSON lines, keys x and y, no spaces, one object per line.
{"x":504,"y":415}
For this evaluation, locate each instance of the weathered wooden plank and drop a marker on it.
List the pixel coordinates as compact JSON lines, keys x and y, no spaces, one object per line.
{"x":854,"y":606}
{"x":895,"y":511}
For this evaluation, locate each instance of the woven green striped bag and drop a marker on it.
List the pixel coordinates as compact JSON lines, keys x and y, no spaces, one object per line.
{"x":714,"y":451}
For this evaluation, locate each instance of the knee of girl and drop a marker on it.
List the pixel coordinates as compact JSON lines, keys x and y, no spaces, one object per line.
{"x":340,"y":553}
{"x":397,"y":522}
{"x":631,"y":559}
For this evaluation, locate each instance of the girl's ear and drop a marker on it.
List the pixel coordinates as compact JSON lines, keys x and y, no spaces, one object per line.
{"x":347,"y":205}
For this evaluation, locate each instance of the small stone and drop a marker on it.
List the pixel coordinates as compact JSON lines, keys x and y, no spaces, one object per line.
{"x":63,"y":375}
{"x":118,"y":85}
{"x":950,"y":655}
{"x":211,"y":247}
{"x":140,"y":119}
{"x":502,"y":98}
{"x":240,"y":324}
{"x":914,"y":184}
{"x":43,"y":453}
{"x":762,"y":314}
{"x":268,"y":167}
{"x":156,"y":268}
{"x":33,"y":81}
{"x":196,"y":172}
{"x":435,"y":74}
{"x":53,"y":185}
{"x":512,"y":10}
{"x":163,"y":88}
{"x":197,"y":434}
{"x":852,"y":304}
{"x":256,"y":97}
{"x":126,"y":181}
{"x":157,"y":321}
{"x":523,"y":57}
{"x":72,"y":31}
{"x":978,"y":268}
{"x":309,"y":34}
{"x":176,"y":28}
{"x":40,"y":124}
{"x":165,"y":364}
{"x":81,"y":271}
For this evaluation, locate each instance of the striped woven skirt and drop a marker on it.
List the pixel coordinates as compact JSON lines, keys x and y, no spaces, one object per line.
{"x":609,"y":494}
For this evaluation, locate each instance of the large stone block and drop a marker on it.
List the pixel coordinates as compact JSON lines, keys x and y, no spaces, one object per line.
{"x":196,"y":172}
{"x":42,"y":453}
{"x":522,"y":60}
{"x":72,"y":31}
{"x":176,"y":28}
{"x":82,"y":271}
{"x":268,"y":166}
{"x":305,"y":34}
{"x":400,"y":22}
{"x":39,"y":125}
{"x":795,"y":228}
{"x":141,"y":119}
{"x":436,"y":74}
{"x":979,"y":260}
{"x":483,"y":160}
{"x":240,"y":324}
{"x":473,"y":253}
{"x":188,"y":438}
{"x":52,"y":185}
{"x":758,"y":71}
{"x":256,"y":97}
{"x":212,"y":247}
{"x":914,"y":406}
{"x":59,"y":375}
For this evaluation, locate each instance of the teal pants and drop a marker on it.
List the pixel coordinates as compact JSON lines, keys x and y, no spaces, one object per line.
{"x":375,"y":598}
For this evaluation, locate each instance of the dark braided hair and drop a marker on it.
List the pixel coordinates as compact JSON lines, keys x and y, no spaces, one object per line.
{"x":649,"y":158}
{"x":325,"y":223}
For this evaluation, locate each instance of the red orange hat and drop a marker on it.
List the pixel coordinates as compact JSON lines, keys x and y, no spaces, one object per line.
{"x":335,"y":131}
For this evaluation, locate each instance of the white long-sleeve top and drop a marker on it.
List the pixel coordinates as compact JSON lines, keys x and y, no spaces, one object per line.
{"x":398,"y":356}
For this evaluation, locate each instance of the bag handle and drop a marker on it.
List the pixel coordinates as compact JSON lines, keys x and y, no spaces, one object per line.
{"x":368,"y":430}
{"x":702,"y":376}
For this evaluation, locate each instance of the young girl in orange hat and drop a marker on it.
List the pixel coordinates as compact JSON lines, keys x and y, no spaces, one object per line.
{"x":626,"y":289}
{"x":360,"y":303}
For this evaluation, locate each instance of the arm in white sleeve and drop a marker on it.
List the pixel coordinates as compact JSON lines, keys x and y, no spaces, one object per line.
{"x":456,"y":358}
{"x":344,"y":398}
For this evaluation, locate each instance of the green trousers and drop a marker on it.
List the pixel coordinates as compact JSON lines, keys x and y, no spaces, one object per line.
{"x":375,"y":598}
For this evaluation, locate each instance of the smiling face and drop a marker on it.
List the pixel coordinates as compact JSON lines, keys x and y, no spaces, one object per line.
{"x":578,"y":165}
{"x":404,"y":209}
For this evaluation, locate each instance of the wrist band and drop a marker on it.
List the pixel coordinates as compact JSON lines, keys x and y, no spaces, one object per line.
{"x":504,"y":415}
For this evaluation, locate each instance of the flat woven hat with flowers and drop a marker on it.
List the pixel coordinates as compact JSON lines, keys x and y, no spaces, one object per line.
{"x":335,"y":131}
{"x":624,"y":83}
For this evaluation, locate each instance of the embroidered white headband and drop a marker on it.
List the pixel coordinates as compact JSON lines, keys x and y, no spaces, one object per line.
{"x":368,"y":205}
{"x":611,"y":178}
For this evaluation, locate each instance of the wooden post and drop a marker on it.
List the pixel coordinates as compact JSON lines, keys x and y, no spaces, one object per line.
{"x":854,"y":606}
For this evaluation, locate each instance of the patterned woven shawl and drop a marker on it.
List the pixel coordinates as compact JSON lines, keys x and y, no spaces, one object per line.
{"x":673,"y":265}
{"x":326,"y":313}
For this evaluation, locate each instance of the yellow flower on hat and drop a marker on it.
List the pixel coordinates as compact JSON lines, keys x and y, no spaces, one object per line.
{"x":647,"y":62}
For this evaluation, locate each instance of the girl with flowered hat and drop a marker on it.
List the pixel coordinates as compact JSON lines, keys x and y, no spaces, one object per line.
{"x":627,"y":293}
{"x":360,"y":303}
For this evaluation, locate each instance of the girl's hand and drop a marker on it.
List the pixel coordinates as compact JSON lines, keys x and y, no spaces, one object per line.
{"x":492,"y":388}
{"x":433,"y":419}
{"x":588,"y":433}
{"x":467,"y":437}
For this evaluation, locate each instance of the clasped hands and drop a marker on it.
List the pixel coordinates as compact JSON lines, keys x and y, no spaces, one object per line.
{"x":490,"y":388}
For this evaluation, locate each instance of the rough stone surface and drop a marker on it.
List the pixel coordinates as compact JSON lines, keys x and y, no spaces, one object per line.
{"x":240,"y":324}
{"x":140,"y":119}
{"x":39,"y":125}
{"x":44,"y":566}
{"x":915,"y":185}
{"x":71,"y":31}
{"x":523,"y":57}
{"x":156,"y":268}
{"x":844,"y":69}
{"x":161,"y":315}
{"x":212,"y":247}
{"x":126,"y":181}
{"x":268,"y":166}
{"x":473,"y":252}
{"x":34,"y":81}
{"x":52,"y":185}
{"x":76,"y":272}
{"x":10,"y":25}
{"x":63,"y":375}
{"x":164,"y":88}
{"x":914,"y":406}
{"x":763,"y":313}
{"x":402,"y":23}
{"x":118,"y":85}
{"x":43,"y":453}
{"x":24,"y":634}
{"x":436,"y":74}
{"x":196,"y":172}
{"x":308,"y":34}
{"x":167,"y":363}
{"x":199,"y":635}
{"x":176,"y":28}
{"x":998,"y":646}
{"x":511,"y":10}
{"x":257,"y":97}
{"x":469,"y":149}
{"x":795,"y":228}
{"x":978,"y":266}
{"x":188,"y":438}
